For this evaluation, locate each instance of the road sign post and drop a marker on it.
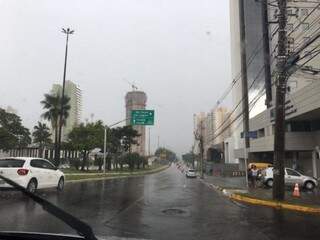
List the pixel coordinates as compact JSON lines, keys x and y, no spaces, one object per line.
{"x":142,"y":117}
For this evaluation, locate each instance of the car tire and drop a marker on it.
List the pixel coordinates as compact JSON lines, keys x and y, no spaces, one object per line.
{"x":269,"y":183}
{"x":32,"y":186}
{"x":60,"y":185}
{"x":309,"y":185}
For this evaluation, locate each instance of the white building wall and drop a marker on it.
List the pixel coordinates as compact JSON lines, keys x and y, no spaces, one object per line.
{"x":237,"y":127}
{"x":74,"y":93}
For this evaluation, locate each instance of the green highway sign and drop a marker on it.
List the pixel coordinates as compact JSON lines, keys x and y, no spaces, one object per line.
{"x":142,"y":117}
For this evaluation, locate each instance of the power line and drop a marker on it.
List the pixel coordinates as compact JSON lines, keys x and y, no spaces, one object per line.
{"x":242,"y":99}
{"x":254,"y":54}
{"x":299,"y":24}
{"x":238,"y":116}
{"x":238,"y":76}
{"x":303,"y":21}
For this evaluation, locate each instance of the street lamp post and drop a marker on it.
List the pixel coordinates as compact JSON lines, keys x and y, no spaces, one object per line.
{"x":105,"y":142}
{"x":68,"y":32}
{"x":105,"y":149}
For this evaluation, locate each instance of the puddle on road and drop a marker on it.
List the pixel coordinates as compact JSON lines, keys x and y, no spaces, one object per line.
{"x":175,"y":212}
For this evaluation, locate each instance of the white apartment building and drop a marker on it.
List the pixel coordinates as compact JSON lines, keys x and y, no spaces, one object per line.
{"x":74,"y":93}
{"x":210,"y":125}
{"x":303,"y":92}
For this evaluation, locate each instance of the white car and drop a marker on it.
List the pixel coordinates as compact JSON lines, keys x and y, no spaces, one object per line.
{"x":191,"y":173}
{"x":31,"y":173}
{"x":291,"y":177}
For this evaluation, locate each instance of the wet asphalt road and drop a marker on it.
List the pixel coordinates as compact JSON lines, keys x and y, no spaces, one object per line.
{"x":133,"y":208}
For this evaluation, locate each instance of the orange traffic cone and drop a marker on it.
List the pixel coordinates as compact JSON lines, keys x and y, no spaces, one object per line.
{"x":296,"y":191}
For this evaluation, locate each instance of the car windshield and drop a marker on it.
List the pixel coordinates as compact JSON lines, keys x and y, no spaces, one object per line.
{"x":160,"y":119}
{"x":11,"y":163}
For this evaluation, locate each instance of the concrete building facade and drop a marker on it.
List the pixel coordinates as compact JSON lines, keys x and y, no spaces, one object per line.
{"x":303,"y":91}
{"x":210,"y":126}
{"x":136,"y":100}
{"x":74,"y":93}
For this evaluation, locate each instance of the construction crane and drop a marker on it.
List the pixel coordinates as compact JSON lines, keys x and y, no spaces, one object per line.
{"x":132,"y":84}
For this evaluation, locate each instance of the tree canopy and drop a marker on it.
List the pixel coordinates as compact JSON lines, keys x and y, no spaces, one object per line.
{"x":166,"y":153}
{"x":12,"y":133}
{"x":41,"y":135}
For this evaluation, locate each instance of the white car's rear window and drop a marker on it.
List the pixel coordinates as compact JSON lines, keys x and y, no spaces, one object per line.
{"x":11,"y":163}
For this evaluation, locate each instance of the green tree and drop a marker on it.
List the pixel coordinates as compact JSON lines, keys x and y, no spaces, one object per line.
{"x":189,"y":158}
{"x":166,"y":153}
{"x":114,"y":147}
{"x":12,"y":133}
{"x":52,"y":105}
{"x":129,"y":137}
{"x":41,"y":136}
{"x":86,"y":137}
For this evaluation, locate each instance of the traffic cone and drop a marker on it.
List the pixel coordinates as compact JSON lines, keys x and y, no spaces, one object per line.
{"x":296,"y":191}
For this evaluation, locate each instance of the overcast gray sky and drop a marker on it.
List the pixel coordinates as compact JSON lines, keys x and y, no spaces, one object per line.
{"x":177,"y":51}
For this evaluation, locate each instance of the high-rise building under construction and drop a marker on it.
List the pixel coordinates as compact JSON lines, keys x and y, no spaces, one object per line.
{"x":136,"y":100}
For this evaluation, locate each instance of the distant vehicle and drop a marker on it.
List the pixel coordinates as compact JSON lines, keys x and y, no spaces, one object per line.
{"x":191,"y":173}
{"x":260,"y":166}
{"x":291,"y":178}
{"x":31,"y":173}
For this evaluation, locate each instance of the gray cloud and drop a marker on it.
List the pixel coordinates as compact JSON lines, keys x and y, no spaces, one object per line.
{"x":177,"y":51}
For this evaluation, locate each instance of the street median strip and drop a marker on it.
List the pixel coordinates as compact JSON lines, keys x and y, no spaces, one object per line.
{"x":278,"y":205}
{"x":100,"y":176}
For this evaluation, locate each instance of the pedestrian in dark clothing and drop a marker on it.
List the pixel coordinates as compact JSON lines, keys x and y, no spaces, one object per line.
{"x":254,"y":175}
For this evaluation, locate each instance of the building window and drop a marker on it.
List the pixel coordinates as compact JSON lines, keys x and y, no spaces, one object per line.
{"x":305,"y":26}
{"x":272,"y":113}
{"x":261,"y":133}
{"x":289,"y":12}
{"x":300,"y":126}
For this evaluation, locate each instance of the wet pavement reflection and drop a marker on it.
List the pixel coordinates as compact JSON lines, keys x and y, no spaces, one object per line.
{"x":165,"y":205}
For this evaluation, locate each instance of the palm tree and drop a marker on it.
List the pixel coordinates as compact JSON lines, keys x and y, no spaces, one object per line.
{"x":52,"y":104}
{"x":41,"y":135}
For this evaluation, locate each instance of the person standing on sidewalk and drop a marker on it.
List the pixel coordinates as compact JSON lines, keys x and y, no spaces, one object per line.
{"x":254,"y":175}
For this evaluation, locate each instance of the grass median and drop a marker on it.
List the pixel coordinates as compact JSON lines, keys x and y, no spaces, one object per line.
{"x":78,"y":176}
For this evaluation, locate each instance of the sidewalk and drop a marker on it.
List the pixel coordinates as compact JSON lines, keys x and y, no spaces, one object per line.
{"x":235,"y":188}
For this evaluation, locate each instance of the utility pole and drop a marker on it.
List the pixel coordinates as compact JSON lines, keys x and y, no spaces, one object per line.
{"x":105,"y":149}
{"x":201,"y":148}
{"x":198,"y":134}
{"x":68,"y":32}
{"x":244,"y":84}
{"x":158,"y":142}
{"x":279,"y":134}
{"x":149,"y":142}
{"x":266,"y":51}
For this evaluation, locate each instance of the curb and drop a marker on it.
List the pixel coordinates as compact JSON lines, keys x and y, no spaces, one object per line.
{"x":277,"y":205}
{"x":260,"y":202}
{"x":125,"y":175}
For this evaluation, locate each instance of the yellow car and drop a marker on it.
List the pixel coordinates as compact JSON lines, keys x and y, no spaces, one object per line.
{"x":260,"y":165}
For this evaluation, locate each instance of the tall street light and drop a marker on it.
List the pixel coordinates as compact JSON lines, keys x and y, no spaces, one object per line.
{"x":68,"y":32}
{"x":106,"y":127}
